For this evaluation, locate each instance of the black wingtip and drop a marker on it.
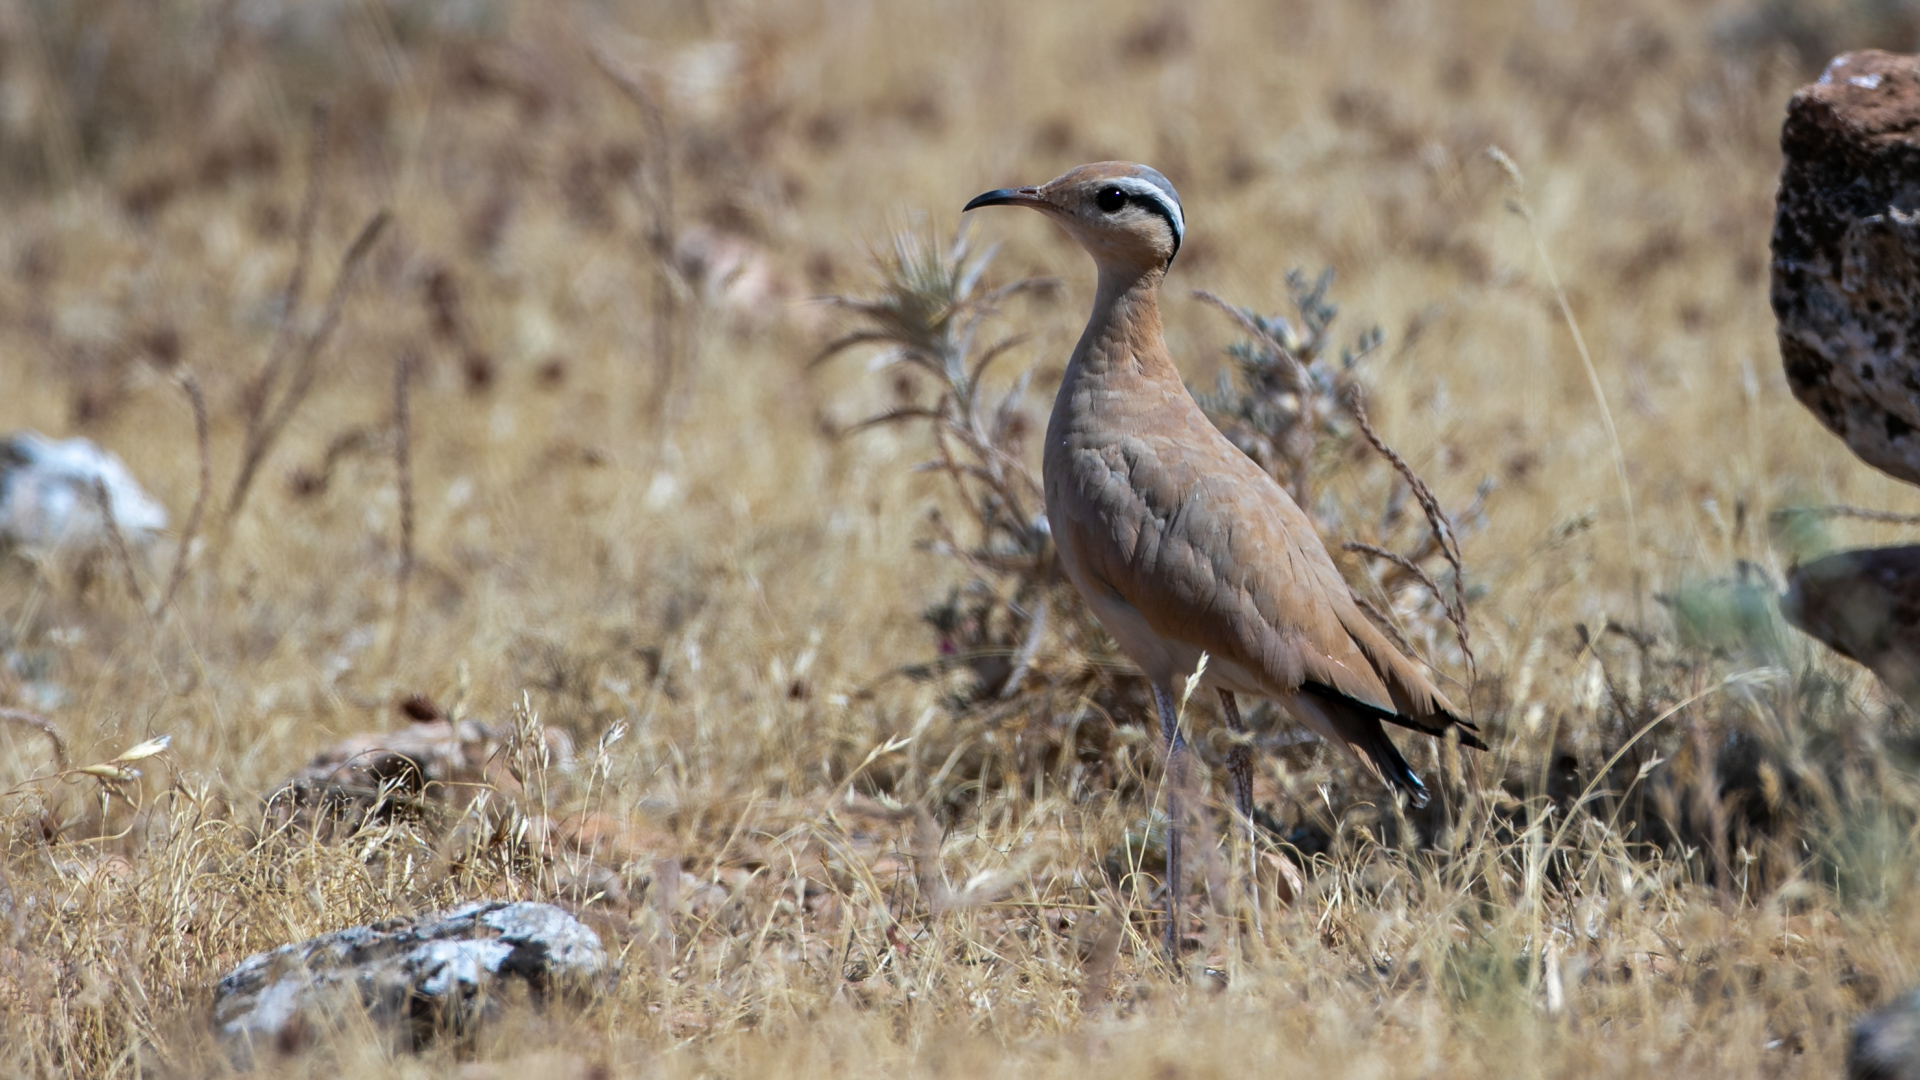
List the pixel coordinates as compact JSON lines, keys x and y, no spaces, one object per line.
{"x":1416,"y":791}
{"x":1469,"y":733}
{"x":1397,"y":773}
{"x":1392,"y":767}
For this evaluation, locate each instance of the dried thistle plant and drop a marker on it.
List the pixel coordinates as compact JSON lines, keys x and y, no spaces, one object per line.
{"x":1036,"y":663}
{"x":1288,"y":398}
{"x":928,"y":314}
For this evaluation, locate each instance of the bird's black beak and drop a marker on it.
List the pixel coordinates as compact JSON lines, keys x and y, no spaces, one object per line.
{"x":1025,"y":196}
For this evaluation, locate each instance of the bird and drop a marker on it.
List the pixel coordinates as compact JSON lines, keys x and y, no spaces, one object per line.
{"x":1180,"y":544}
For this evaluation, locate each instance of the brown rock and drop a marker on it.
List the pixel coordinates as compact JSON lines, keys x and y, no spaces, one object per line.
{"x":367,"y":778}
{"x":1865,"y":604}
{"x":1846,"y":255}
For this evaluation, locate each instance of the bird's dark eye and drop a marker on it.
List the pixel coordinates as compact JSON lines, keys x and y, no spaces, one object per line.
{"x":1110,"y":199}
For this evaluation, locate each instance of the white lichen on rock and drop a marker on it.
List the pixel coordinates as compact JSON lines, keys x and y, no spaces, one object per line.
{"x":415,"y":977}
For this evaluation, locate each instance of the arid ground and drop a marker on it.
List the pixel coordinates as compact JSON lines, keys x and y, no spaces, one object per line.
{"x":812,"y":735}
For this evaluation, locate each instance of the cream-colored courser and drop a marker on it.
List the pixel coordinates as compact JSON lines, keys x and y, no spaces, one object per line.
{"x":1177,"y":540}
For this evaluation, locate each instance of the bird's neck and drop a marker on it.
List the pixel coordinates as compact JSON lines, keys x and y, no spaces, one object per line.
{"x":1123,"y":338}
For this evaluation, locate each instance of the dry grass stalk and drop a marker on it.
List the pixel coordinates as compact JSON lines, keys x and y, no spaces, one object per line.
{"x":115,"y":778}
{"x":45,"y":727}
{"x":202,"y":445}
{"x":1857,"y":513}
{"x":261,"y":391}
{"x":1023,"y":658}
{"x":269,"y":405}
{"x":1518,"y":204}
{"x":403,"y":470}
{"x":266,"y":419}
{"x":1413,"y":569}
{"x":1443,"y":534}
{"x":122,"y":555}
{"x":1379,"y":617}
{"x":652,"y":183}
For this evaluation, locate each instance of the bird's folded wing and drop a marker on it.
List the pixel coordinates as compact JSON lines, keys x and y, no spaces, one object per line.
{"x":1421,"y":704}
{"x":1212,"y":552}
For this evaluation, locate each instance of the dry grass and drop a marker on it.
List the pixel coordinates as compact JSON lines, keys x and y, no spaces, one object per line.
{"x":612,"y":499}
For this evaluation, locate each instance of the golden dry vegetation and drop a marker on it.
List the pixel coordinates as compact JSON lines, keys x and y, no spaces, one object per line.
{"x":636,"y":519}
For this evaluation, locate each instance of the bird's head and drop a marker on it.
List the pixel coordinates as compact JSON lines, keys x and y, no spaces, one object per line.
{"x":1127,"y":216}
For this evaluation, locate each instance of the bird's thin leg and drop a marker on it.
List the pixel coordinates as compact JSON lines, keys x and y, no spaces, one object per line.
{"x":1239,"y":760}
{"x":1176,"y":776}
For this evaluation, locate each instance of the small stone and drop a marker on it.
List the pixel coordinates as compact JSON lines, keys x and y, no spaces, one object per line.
{"x":1846,"y":255}
{"x":370,"y":777}
{"x":47,"y":496}
{"x":416,"y":978}
{"x":1865,"y":605}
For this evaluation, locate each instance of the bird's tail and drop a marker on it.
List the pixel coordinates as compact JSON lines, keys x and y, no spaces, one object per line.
{"x":1355,"y":726}
{"x":1384,"y":758}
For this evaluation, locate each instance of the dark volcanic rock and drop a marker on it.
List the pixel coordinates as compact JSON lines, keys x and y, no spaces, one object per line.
{"x":1865,"y":604}
{"x":414,"y":977}
{"x":1886,"y":1043}
{"x":1846,"y":255}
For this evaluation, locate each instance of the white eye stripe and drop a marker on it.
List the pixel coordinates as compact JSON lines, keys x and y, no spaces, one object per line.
{"x":1147,"y":189}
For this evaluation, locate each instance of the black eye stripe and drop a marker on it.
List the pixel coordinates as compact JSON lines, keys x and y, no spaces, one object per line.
{"x":1113,"y":198}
